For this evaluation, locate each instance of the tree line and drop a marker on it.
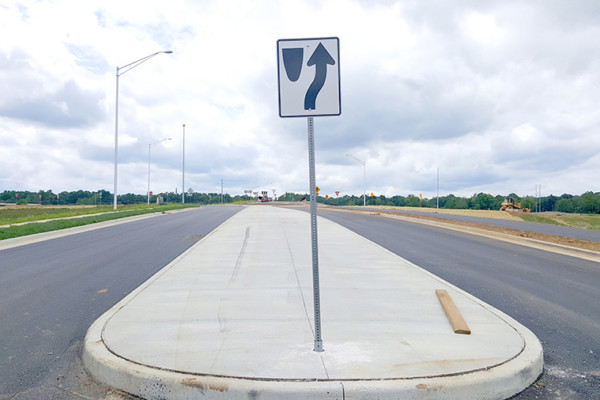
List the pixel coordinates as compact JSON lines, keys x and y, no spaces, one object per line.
{"x":586,"y":203}
{"x":104,"y":197}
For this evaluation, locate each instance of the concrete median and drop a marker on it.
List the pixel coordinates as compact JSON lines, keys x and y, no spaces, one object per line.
{"x":232,"y":318}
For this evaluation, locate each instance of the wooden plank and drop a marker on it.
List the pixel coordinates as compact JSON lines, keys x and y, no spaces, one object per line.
{"x":456,"y":320}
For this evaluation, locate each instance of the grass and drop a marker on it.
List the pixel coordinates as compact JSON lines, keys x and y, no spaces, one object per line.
{"x":41,"y":219}
{"x":585,"y":221}
{"x":582,"y":221}
{"x":15,"y":215}
{"x":541,"y":220}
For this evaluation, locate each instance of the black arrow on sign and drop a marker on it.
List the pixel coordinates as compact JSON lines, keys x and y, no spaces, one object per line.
{"x":320,"y":58}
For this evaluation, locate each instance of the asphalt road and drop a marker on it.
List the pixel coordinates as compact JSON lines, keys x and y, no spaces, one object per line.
{"x":557,"y":297}
{"x":567,"y":231}
{"x":52,"y":291}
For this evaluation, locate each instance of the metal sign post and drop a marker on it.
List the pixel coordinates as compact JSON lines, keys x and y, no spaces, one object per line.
{"x":308,"y":73}
{"x":313,"y":233}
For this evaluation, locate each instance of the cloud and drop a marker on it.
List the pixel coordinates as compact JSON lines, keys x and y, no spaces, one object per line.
{"x":69,"y":107}
{"x":89,"y":58}
{"x":499,"y":95}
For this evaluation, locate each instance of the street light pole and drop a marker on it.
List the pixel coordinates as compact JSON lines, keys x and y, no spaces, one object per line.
{"x":121,"y":71}
{"x":116,"y":141}
{"x":150,"y":144}
{"x":438,"y":189}
{"x":364,"y":164}
{"x":183,"y":170}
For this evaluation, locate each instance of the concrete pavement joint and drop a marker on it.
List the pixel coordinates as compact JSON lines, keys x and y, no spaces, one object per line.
{"x":299,"y":285}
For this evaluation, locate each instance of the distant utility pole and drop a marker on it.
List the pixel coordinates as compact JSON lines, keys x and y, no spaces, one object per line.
{"x":438,"y":189}
{"x":364,"y":164}
{"x":183,"y":169}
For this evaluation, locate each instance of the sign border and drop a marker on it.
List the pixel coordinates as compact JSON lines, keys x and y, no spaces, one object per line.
{"x":337,"y":39}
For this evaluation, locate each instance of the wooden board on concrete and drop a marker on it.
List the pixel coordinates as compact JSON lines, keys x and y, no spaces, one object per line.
{"x":456,"y":320}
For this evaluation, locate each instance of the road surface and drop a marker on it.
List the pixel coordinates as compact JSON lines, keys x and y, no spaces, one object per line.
{"x":566,"y":231}
{"x":555,"y":296}
{"x":52,"y":291}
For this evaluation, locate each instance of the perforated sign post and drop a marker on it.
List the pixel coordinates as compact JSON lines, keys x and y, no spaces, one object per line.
{"x":308,"y":74}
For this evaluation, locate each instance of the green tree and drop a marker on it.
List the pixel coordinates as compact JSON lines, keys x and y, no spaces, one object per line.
{"x":565,"y":205}
{"x":482,"y":201}
{"x":549,"y":203}
{"x":412,"y":201}
{"x":588,"y":203}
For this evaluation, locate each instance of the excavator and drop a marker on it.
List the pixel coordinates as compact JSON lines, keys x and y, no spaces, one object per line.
{"x":510,"y":205}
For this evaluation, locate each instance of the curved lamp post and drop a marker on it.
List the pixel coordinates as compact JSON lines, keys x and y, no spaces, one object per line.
{"x":121,"y":71}
{"x":150,"y":144}
{"x":183,"y":169}
{"x":364,"y":164}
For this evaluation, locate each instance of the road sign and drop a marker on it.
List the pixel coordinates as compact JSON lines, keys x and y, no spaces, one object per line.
{"x":308,"y":72}
{"x":308,"y":75}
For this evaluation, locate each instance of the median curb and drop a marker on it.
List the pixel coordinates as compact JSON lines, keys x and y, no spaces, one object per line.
{"x":188,"y":332}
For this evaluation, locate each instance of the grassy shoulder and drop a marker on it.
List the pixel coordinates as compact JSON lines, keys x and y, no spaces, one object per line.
{"x":23,"y":221}
{"x":20,"y":214}
{"x":584,"y":221}
{"x":541,"y":219}
{"x":580,"y":221}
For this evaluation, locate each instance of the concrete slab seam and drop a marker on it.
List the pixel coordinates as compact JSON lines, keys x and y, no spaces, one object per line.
{"x":183,"y":386}
{"x":264,"y":379}
{"x":299,"y":285}
{"x":163,"y":271}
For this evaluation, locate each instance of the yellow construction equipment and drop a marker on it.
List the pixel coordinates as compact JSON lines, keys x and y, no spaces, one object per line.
{"x":510,"y":205}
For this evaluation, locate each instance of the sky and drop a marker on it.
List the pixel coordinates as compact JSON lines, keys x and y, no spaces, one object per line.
{"x":450,"y":97}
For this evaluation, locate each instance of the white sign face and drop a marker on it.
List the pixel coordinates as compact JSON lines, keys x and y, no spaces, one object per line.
{"x":308,"y":72}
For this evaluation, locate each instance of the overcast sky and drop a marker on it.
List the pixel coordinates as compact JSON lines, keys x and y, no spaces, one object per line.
{"x":500,"y":96}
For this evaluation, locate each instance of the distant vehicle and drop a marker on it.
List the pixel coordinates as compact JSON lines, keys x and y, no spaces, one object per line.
{"x":264,"y":196}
